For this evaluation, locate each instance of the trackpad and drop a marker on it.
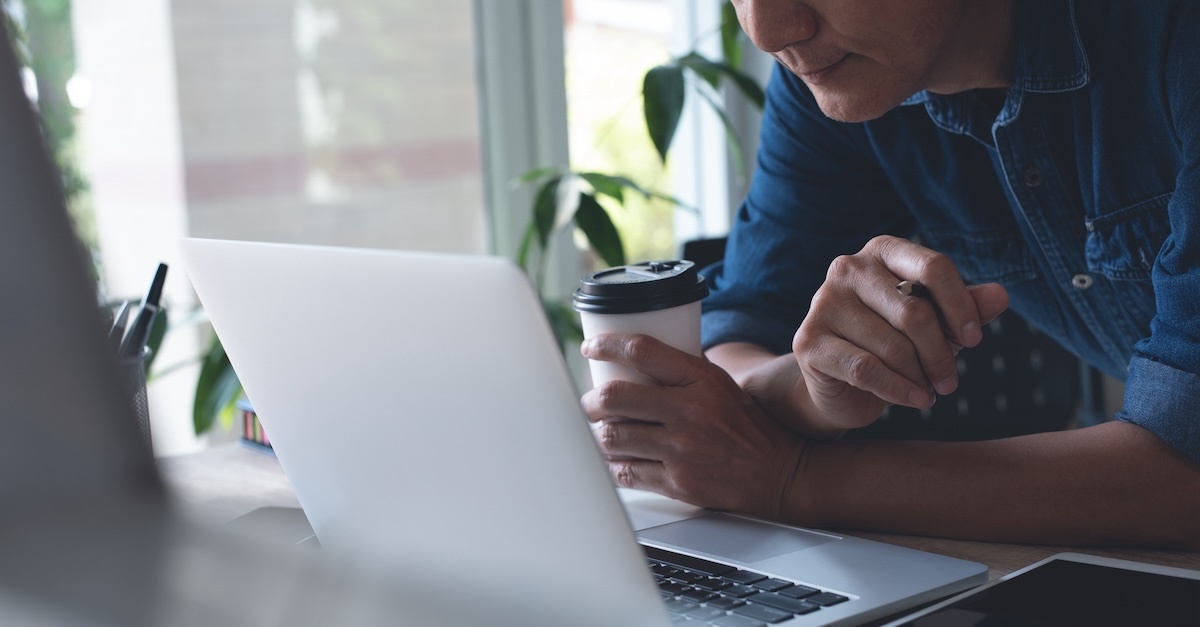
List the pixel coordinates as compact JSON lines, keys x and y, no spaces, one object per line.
{"x":734,"y":538}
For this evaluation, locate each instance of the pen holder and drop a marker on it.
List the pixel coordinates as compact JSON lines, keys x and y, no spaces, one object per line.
{"x":133,"y":370}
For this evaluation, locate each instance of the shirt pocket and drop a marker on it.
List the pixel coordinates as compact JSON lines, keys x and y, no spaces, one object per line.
{"x":1122,"y":245}
{"x":983,"y":257}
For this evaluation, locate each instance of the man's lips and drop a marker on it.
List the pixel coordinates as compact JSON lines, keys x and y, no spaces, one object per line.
{"x":822,"y":75}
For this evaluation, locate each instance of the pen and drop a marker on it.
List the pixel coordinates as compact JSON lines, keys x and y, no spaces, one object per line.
{"x":912,"y":288}
{"x":154,"y":294}
{"x":117,"y":331}
{"x":139,"y":332}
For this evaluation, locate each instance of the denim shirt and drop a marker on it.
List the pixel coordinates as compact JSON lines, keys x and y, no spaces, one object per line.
{"x":1080,"y":197}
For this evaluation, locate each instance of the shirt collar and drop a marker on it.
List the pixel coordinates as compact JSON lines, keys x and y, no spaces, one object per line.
{"x":1049,"y":51}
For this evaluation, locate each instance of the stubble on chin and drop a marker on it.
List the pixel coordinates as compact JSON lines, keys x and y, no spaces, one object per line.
{"x":850,"y":108}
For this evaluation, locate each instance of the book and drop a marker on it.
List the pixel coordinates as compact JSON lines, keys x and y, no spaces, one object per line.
{"x":252,"y":430}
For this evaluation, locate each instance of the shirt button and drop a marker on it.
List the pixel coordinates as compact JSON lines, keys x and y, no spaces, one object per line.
{"x":1033,"y":177}
{"x":1082,"y":281}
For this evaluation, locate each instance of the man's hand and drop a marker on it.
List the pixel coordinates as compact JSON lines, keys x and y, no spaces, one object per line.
{"x":694,"y":436}
{"x":864,"y":345}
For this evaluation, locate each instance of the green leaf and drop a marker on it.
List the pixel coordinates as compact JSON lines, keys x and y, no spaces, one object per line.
{"x":735,"y":143}
{"x":217,"y":389}
{"x":704,"y":68}
{"x":526,"y":244}
{"x":731,"y":32}
{"x":564,"y":322}
{"x":649,"y":193}
{"x":662,"y":93}
{"x":545,"y":209}
{"x":745,"y":84}
{"x":611,"y":186}
{"x":593,"y":220}
{"x":536,"y":174}
{"x":158,"y":331}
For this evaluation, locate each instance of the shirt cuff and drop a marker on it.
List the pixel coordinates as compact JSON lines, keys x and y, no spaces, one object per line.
{"x":1166,"y":402}
{"x":725,"y":325}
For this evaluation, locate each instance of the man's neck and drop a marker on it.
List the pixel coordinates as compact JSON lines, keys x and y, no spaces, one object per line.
{"x":981,"y":54}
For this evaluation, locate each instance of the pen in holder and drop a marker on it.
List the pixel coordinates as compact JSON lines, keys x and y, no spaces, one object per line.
{"x":133,"y":371}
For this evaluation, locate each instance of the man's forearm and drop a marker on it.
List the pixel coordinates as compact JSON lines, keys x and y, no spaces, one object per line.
{"x":1113,"y":484}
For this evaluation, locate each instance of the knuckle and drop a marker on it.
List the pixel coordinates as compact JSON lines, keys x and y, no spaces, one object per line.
{"x":896,"y":348}
{"x":841,"y":266}
{"x":640,"y":348}
{"x":608,"y":436}
{"x":916,"y":313}
{"x":881,"y":244}
{"x":611,"y":392}
{"x":623,"y":474}
{"x":863,"y":368}
{"x":935,"y":264}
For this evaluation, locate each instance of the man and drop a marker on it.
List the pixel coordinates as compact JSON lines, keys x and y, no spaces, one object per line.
{"x":1048,"y":152}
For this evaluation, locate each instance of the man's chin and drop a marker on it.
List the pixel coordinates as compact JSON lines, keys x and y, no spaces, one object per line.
{"x":843,"y":108}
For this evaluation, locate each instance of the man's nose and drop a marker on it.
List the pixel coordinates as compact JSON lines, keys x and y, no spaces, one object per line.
{"x":775,"y":24}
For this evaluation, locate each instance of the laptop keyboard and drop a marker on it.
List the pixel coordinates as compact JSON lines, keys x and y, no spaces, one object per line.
{"x":699,"y":591}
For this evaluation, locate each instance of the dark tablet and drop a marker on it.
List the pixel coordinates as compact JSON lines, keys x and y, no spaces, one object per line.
{"x":1073,"y":589}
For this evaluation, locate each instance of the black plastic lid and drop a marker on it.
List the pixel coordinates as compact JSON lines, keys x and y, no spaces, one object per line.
{"x":640,"y":287}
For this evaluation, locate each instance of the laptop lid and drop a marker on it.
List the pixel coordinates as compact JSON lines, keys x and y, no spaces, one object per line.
{"x":86,"y":537}
{"x":420,"y":407}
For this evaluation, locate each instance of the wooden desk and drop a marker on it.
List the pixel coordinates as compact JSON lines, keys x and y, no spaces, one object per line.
{"x":230,"y":480}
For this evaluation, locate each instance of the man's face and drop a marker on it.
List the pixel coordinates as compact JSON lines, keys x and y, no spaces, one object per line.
{"x":860,"y":58}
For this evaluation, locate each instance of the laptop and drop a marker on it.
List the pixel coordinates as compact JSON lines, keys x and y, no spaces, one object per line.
{"x":423,"y":413}
{"x":87,"y":531}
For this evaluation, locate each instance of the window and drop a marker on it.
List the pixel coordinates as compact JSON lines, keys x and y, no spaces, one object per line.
{"x":380,"y":123}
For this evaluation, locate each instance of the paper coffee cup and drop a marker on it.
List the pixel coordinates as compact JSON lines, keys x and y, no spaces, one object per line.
{"x":657,"y":298}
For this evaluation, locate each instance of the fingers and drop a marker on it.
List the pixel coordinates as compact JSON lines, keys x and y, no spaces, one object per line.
{"x":839,"y":361}
{"x":905,"y":332}
{"x":660,"y":362}
{"x":639,"y":474}
{"x":991,"y":299}
{"x":949,"y":294}
{"x":632,"y":440}
{"x":622,"y":400}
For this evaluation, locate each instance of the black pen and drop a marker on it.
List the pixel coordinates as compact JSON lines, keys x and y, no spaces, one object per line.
{"x":116,"y":332}
{"x":912,"y":288}
{"x":139,"y":332}
{"x":154,"y":294}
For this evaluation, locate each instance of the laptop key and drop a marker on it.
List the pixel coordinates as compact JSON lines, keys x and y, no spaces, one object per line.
{"x":707,"y":567}
{"x":687,"y":577}
{"x":772,"y":585}
{"x":763,"y":613}
{"x":699,"y":596}
{"x":715,"y":584}
{"x":780,"y":602}
{"x":733,"y":620}
{"x":743,"y":576}
{"x":725,"y":603}
{"x":825,"y":599}
{"x":738,"y":590}
{"x":706,"y":613}
{"x":679,"y":606}
{"x":663,"y":570}
{"x":798,"y":591}
{"x":673,"y":587}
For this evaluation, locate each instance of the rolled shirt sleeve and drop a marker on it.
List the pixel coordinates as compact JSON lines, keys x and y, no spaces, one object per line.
{"x":1162,"y":391}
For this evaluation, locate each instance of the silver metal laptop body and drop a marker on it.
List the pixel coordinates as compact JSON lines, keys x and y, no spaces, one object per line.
{"x":422,"y":412}
{"x":87,"y":532}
